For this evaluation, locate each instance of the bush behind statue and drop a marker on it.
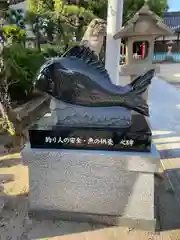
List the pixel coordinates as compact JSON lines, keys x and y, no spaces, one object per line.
{"x":57,"y":50}
{"x":22,"y":64}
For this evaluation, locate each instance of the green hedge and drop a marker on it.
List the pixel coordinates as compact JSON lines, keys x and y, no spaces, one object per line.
{"x":55,"y":50}
{"x":22,"y":65}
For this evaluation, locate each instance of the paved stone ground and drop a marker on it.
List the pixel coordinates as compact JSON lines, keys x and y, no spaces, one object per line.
{"x":170,"y":73}
{"x":15,"y":225}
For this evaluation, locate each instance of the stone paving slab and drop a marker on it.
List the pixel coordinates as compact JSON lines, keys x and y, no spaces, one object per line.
{"x":165,"y":125}
{"x":170,"y":72}
{"x":94,"y":186}
{"x":109,"y":234}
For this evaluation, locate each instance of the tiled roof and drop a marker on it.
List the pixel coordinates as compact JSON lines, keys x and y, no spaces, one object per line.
{"x":172,"y":20}
{"x":12,"y":2}
{"x":127,"y":29}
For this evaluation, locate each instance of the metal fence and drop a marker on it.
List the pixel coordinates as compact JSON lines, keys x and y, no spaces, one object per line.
{"x":163,"y":56}
{"x":158,"y":57}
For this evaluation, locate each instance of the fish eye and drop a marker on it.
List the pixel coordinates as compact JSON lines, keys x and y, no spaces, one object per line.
{"x":41,"y":76}
{"x":45,"y":71}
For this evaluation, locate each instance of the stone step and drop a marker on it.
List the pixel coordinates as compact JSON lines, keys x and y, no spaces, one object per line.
{"x":123,"y":161}
{"x":89,"y":187}
{"x":112,"y":197}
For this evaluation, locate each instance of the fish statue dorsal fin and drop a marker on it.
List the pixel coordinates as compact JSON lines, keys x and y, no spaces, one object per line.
{"x":88,"y":56}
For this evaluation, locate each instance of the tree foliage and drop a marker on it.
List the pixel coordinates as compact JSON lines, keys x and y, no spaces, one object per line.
{"x":21,"y":65}
{"x":13,"y":33}
{"x":129,"y":9}
{"x":59,"y":19}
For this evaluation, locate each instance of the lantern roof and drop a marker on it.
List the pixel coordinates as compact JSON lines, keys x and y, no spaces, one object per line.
{"x":144,"y":22}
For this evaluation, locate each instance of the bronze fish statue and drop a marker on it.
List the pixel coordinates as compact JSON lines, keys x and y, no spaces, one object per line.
{"x":79,"y":78}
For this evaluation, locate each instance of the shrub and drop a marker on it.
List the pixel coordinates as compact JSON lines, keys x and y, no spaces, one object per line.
{"x":13,"y":32}
{"x":51,"y":50}
{"x":56,"y":50}
{"x":22,"y":64}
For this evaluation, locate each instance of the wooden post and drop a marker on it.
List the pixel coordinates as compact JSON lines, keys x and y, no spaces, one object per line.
{"x":114,"y":23}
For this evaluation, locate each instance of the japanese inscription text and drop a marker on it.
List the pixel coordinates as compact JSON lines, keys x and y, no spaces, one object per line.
{"x":89,"y":141}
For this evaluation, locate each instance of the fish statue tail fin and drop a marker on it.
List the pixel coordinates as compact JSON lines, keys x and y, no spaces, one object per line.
{"x":136,"y":103}
{"x":141,"y":83}
{"x":139,"y":86}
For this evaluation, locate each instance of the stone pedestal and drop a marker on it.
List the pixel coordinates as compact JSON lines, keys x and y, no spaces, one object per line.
{"x":114,"y":188}
{"x":75,"y":115}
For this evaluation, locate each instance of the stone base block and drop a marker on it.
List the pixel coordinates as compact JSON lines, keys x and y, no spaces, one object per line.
{"x":95,"y":186}
{"x":107,"y":220}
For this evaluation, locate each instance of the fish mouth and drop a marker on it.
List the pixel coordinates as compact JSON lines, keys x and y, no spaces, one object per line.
{"x":42,"y":90}
{"x":44,"y":84}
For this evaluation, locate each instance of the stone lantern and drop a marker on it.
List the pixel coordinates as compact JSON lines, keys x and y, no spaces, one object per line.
{"x":140,"y":33}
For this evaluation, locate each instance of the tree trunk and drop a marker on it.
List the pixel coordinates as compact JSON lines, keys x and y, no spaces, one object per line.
{"x":9,"y":117}
{"x":37,"y":34}
{"x":38,"y":45}
{"x":23,"y":118}
{"x":20,"y":136}
{"x":50,"y":29}
{"x":60,"y":31}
